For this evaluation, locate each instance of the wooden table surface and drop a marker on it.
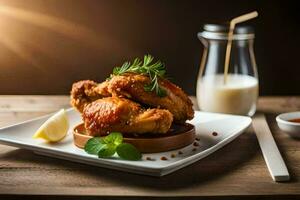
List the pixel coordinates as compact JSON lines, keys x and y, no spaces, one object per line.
{"x":238,"y":169}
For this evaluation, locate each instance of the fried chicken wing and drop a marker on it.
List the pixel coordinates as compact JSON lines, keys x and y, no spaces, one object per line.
{"x":87,"y":91}
{"x":123,"y":115}
{"x":131,"y":86}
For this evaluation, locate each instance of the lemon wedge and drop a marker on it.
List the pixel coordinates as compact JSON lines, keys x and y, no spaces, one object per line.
{"x":55,"y":128}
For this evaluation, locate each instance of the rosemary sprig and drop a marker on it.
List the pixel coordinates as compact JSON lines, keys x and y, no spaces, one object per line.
{"x":147,"y":67}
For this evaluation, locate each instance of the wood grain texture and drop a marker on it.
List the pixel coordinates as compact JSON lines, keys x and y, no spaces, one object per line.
{"x":238,"y":169}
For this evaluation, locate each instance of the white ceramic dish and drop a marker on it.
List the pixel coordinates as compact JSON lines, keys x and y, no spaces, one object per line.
{"x":291,"y":128}
{"x":228,"y":128}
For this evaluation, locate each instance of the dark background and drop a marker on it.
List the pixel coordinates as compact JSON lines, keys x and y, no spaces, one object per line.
{"x":46,"y":45}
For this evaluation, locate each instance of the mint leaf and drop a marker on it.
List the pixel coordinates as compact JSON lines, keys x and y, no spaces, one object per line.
{"x":94,"y":145}
{"x":107,"y":146}
{"x":114,"y":138}
{"x":128,"y":152}
{"x":107,"y":150}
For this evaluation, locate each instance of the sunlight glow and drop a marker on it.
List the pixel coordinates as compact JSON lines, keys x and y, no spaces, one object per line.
{"x":13,"y":46}
{"x":64,"y":27}
{"x":55,"y":24}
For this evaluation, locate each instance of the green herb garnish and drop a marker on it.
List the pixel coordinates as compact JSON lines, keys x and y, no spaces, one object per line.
{"x":153,"y":70}
{"x":107,"y":146}
{"x":128,"y":152}
{"x":94,"y":145}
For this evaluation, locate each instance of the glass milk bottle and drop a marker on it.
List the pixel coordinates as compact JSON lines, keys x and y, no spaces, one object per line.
{"x":238,"y":94}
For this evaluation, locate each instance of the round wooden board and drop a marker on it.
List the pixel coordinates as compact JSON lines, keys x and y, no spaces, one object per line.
{"x":179,"y":135}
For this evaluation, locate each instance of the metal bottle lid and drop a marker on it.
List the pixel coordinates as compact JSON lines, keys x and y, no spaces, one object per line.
{"x":220,"y":32}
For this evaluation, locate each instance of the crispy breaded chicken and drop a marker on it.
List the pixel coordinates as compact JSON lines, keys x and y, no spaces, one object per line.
{"x":131,"y":86}
{"x":123,"y":115}
{"x":87,"y":91}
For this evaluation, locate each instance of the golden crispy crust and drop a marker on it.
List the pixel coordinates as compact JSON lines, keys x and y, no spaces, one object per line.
{"x":87,"y":91}
{"x":132,"y":86}
{"x":119,"y":114}
{"x":114,"y":105}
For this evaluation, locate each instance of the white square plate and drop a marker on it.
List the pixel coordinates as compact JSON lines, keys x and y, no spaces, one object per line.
{"x":228,"y":128}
